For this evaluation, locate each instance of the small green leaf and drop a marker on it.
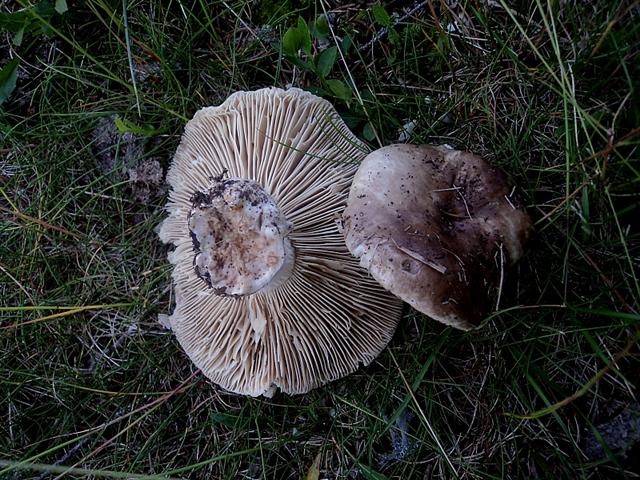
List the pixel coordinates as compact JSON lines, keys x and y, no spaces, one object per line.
{"x":381,"y":15}
{"x":13,"y":22}
{"x":8,"y":79}
{"x":292,"y":41}
{"x":229,"y":420}
{"x":394,"y":37}
{"x":307,"y":66}
{"x":303,"y":64}
{"x":367,"y":95}
{"x":44,"y":9}
{"x":352,"y":121}
{"x":371,"y":474}
{"x":297,"y":38}
{"x":305,"y":35}
{"x":126,"y":126}
{"x":368,"y":132}
{"x":340,"y":90}
{"x":19,"y":36}
{"x":28,"y":20}
{"x":61,"y":6}
{"x":314,"y":470}
{"x":347,"y":43}
{"x":317,"y":91}
{"x":326,"y":60}
{"x":302,"y":24}
{"x":320,"y":28}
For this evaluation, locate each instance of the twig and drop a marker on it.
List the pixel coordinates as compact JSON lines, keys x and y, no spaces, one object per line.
{"x":64,"y":313}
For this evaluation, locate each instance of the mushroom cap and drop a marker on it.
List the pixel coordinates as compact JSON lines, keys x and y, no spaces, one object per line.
{"x":327,"y":317}
{"x":436,"y":227}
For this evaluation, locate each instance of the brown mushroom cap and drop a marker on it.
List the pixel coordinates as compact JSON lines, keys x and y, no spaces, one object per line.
{"x":436,"y":227}
{"x":266,"y":292}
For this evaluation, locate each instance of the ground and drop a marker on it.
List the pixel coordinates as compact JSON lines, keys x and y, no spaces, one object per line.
{"x":92,"y":386}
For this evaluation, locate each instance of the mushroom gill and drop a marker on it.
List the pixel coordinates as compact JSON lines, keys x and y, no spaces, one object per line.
{"x":267,"y":295}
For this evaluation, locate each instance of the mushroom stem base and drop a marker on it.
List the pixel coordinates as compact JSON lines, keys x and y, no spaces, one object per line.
{"x":239,"y":238}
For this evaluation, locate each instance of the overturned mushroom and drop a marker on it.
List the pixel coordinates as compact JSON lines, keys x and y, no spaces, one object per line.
{"x":267,"y":294}
{"x":437,"y":228}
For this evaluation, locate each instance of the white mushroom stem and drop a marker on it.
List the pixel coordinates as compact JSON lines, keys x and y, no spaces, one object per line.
{"x":239,"y":238}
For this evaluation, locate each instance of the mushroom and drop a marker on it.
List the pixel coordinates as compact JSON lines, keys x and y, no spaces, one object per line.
{"x":266,"y":293}
{"x":436,"y":227}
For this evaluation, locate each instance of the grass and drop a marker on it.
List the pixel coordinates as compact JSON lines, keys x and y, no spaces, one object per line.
{"x":91,"y":386}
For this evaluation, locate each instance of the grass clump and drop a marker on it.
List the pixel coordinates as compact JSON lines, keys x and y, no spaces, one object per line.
{"x":93,"y":386}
